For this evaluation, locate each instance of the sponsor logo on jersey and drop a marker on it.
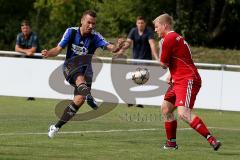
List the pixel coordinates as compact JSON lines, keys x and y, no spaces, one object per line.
{"x":79,"y":50}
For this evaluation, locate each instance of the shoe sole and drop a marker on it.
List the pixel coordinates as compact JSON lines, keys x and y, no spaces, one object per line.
{"x":170,"y":148}
{"x":217,"y":146}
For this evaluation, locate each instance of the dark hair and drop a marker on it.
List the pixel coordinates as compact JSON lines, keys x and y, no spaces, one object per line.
{"x":90,"y":13}
{"x":25,"y":23}
{"x":141,"y":18}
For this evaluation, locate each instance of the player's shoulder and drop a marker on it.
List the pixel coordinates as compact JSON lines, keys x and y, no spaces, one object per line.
{"x":69,"y":31}
{"x":171,"y":36}
{"x":73,"y":28}
{"x":96,"y":35}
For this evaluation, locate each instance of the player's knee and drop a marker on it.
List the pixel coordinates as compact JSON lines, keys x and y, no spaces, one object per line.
{"x":165,"y":110}
{"x":184,"y":116}
{"x":83,"y":89}
{"x":181,"y":116}
{"x":79,"y":100}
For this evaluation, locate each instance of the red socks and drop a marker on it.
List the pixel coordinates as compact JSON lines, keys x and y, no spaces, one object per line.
{"x":171,"y":129}
{"x":198,"y":125}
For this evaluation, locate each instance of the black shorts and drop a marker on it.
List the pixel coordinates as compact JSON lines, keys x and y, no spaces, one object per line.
{"x":71,"y":77}
{"x":74,"y":78}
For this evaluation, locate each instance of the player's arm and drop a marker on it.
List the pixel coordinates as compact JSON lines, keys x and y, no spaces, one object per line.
{"x":166,"y":52}
{"x":62,"y":44}
{"x":163,"y":59}
{"x":153,"y":48}
{"x":52,"y":52}
{"x":169,"y":79}
{"x":28,"y":52}
{"x":163,"y":65}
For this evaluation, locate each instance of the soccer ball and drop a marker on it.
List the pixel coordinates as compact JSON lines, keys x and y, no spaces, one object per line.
{"x":140,"y":76}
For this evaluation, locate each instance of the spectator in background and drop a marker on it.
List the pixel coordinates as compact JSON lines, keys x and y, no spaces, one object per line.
{"x":142,"y":38}
{"x":27,"y":43}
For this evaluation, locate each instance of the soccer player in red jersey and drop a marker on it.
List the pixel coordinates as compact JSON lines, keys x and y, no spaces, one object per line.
{"x":184,"y":80}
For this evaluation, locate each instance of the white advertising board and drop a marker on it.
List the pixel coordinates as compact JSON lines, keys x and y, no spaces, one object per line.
{"x":43,"y":78}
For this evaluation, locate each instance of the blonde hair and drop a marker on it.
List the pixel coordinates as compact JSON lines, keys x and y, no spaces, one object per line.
{"x":164,"y":19}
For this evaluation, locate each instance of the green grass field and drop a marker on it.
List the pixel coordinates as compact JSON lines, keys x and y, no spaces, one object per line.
{"x":118,"y":135}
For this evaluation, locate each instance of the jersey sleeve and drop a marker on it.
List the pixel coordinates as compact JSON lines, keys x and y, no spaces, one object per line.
{"x":35,"y":41}
{"x":100,"y":41}
{"x":18,"y":41}
{"x":150,"y":34}
{"x":65,"y":38}
{"x":166,"y":49}
{"x":131,"y":34}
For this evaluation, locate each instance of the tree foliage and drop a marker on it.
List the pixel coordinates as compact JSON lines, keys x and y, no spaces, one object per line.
{"x":211,"y":23}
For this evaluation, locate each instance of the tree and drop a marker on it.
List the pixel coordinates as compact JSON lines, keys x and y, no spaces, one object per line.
{"x":11,"y":15}
{"x":209,"y":22}
{"x":119,"y":16}
{"x":57,"y":15}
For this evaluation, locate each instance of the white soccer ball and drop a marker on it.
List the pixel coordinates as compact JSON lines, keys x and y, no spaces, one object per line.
{"x":140,"y":76}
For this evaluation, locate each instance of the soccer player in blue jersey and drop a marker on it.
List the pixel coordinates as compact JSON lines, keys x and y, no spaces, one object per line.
{"x":82,"y":42}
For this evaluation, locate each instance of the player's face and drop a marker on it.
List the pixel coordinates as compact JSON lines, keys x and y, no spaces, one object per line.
{"x":25,"y":30}
{"x":141,"y":24}
{"x":88,"y":24}
{"x":160,"y":29}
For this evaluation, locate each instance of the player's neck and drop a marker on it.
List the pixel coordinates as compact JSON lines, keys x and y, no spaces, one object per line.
{"x":82,"y":33}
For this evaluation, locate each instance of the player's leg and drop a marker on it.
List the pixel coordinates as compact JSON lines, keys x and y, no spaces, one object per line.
{"x":198,"y":125}
{"x":170,"y":122}
{"x":83,"y":87}
{"x":90,"y":100}
{"x":185,"y":113}
{"x":70,"y":110}
{"x":68,"y":113}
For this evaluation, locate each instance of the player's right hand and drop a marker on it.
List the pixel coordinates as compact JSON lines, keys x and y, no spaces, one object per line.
{"x":169,"y":79}
{"x":45,"y":53}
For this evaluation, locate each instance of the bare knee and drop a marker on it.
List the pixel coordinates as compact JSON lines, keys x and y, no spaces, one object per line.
{"x":167,"y":111}
{"x":79,"y":100}
{"x":185,"y":114}
{"x":167,"y":107}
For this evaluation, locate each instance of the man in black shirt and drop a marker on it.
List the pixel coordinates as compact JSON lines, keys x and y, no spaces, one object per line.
{"x":142,"y":38}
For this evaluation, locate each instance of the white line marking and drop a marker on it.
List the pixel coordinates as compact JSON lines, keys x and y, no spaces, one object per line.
{"x":111,"y":131}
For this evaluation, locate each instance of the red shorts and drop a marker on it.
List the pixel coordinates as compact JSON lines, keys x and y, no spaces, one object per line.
{"x":183,"y":94}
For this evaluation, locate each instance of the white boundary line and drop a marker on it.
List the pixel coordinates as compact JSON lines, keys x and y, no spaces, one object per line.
{"x":110,"y":131}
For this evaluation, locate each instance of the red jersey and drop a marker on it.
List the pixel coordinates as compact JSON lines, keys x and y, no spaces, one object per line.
{"x":176,"y":53}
